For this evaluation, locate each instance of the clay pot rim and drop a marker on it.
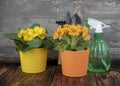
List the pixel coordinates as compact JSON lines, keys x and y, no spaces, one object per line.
{"x":76,"y":51}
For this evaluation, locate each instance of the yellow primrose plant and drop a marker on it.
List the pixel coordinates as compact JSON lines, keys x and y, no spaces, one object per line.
{"x":32,"y":37}
{"x":72,"y":37}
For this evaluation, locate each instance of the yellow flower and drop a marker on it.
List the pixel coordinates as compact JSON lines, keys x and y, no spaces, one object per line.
{"x":21,"y":33}
{"x":39,"y":30}
{"x":41,"y":36}
{"x":36,"y":30}
{"x":29,"y":35}
{"x":42,"y":31}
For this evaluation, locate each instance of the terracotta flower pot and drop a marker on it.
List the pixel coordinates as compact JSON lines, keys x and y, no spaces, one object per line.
{"x":74,"y":63}
{"x":34,"y":60}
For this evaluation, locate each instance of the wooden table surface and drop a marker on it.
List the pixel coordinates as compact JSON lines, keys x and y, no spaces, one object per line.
{"x":11,"y":75}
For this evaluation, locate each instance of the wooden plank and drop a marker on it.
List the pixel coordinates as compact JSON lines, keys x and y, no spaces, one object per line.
{"x":26,"y":79}
{"x":115,"y":75}
{"x":11,"y":75}
{"x":7,"y":74}
{"x":90,"y":80}
{"x":104,"y":81}
{"x":3,"y":69}
{"x":110,"y":78}
{"x":61,"y":80}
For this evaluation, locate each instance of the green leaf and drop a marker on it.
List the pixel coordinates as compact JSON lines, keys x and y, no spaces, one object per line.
{"x":34,"y":25}
{"x":48,"y":44}
{"x":20,"y":43}
{"x":19,"y":29}
{"x":20,"y":46}
{"x":11,"y":36}
{"x":61,"y":47}
{"x":35,"y":43}
{"x":79,"y":48}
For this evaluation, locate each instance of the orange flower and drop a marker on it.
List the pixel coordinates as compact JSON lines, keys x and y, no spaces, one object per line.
{"x":87,"y":37}
{"x":69,"y":37}
{"x":84,"y":31}
{"x":58,"y":33}
{"x":66,"y":26}
{"x":75,"y":30}
{"x":66,"y":30}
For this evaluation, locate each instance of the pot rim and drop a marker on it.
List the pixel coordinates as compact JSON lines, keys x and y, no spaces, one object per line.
{"x":76,"y":51}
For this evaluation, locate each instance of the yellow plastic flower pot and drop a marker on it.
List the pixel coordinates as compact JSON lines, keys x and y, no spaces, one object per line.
{"x":34,"y":60}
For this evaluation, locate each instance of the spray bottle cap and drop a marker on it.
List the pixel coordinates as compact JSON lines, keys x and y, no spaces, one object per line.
{"x":97,"y":25}
{"x":98,"y":29}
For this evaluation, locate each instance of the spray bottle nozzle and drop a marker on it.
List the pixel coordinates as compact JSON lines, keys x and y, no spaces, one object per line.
{"x":95,"y":24}
{"x":106,"y":26}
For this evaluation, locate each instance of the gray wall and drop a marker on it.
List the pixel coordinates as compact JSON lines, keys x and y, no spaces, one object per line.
{"x":23,"y":13}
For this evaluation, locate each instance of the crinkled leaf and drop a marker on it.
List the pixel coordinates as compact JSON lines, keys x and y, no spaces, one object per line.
{"x":19,"y":29}
{"x":35,"y":43}
{"x":20,"y":43}
{"x":34,"y":25}
{"x":13,"y":36}
{"x":48,"y":44}
{"x":79,"y":48}
{"x":61,"y":47}
{"x":20,"y":46}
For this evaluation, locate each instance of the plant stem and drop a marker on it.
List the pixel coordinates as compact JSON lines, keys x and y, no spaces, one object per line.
{"x":74,"y":41}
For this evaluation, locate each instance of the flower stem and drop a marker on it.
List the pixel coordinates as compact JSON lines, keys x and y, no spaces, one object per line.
{"x":74,"y":41}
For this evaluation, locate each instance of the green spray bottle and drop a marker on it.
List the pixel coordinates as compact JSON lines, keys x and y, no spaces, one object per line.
{"x":99,"y":59}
